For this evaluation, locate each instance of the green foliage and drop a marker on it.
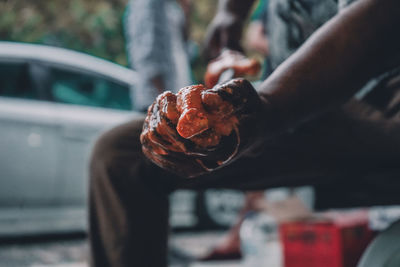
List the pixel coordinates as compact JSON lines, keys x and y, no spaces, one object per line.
{"x":90,"y":26}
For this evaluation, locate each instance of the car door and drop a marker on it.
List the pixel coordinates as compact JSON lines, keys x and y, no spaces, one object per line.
{"x":28,"y":140}
{"x":86,"y":105}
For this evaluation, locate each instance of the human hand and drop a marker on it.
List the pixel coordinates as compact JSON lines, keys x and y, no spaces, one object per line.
{"x":229,"y":59}
{"x":224,"y":31}
{"x":256,"y":39}
{"x":199,"y":129}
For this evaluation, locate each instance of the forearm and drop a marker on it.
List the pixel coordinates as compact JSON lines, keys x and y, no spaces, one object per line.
{"x":225,"y":30}
{"x":336,"y":61}
{"x":237,"y":8}
{"x":158,"y":83}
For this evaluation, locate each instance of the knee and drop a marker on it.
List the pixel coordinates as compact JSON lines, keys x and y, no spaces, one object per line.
{"x":103,"y":149}
{"x":117,"y":157}
{"x":100,"y":155}
{"x":118,"y":148}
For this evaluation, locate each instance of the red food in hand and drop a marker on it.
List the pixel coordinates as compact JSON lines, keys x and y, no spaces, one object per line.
{"x":230,"y":59}
{"x":185,"y":132}
{"x":200,"y":116}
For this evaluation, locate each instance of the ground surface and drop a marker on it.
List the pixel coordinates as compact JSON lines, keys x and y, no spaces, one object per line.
{"x":72,"y":252}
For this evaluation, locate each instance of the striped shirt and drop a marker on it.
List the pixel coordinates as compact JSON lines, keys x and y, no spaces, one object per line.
{"x":156,"y":47}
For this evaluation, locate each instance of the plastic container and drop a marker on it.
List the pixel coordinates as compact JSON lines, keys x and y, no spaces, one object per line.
{"x":260,"y":241}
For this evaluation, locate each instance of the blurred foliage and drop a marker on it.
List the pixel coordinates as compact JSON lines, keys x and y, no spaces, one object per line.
{"x":90,"y":26}
{"x":201,"y":14}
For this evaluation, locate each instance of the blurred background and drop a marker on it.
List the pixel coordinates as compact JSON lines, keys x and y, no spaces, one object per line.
{"x":65,"y":77}
{"x":93,"y":27}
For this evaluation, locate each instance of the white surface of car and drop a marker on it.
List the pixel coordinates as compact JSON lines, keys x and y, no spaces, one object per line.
{"x":53,"y":105}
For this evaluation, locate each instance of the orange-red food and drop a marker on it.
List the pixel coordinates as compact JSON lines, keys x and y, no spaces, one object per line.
{"x":205,"y":117}
{"x":230,"y":60}
{"x":193,"y":119}
{"x":195,"y":113}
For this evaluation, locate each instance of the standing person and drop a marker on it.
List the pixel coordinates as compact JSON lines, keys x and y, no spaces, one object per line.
{"x":256,"y":37}
{"x":308,"y":135}
{"x":156,"y":33}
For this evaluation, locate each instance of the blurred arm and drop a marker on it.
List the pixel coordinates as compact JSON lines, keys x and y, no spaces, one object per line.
{"x":225,"y":30}
{"x":256,"y":38}
{"x":357,"y":44}
{"x":238,"y":8}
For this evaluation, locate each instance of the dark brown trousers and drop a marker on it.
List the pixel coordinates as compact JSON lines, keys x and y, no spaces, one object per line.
{"x":350,"y":155}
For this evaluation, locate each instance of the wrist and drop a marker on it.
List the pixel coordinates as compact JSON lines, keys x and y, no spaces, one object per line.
{"x":228,"y":17}
{"x":239,"y":9}
{"x":158,"y":83}
{"x":231,"y":27}
{"x":269,"y":122}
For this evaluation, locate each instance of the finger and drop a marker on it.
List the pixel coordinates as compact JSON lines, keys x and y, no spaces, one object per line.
{"x":186,"y":167}
{"x":241,"y":94}
{"x":149,"y":144}
{"x":166,"y":126}
{"x":161,"y":129}
{"x":230,"y":59}
{"x":212,"y":43}
{"x":160,"y":132}
{"x":150,"y":134}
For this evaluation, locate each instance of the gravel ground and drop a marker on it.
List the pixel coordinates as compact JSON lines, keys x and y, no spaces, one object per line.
{"x":55,"y":253}
{"x":73,"y":252}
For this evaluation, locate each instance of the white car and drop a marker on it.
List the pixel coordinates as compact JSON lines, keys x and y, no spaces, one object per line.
{"x":54,"y":102}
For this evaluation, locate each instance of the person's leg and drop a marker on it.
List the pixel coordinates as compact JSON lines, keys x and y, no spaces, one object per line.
{"x":128,"y":203}
{"x":229,"y":247}
{"x":128,"y":194}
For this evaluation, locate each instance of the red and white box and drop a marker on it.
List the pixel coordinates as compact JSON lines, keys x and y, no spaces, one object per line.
{"x":332,"y":239}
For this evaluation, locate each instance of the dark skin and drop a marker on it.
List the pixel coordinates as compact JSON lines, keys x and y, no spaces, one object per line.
{"x":331,"y":66}
{"x":129,"y":203}
{"x":225,"y":30}
{"x":336,"y":61}
{"x":356,"y":45}
{"x":158,"y":83}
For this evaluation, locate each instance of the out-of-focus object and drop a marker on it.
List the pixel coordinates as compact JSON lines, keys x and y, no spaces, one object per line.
{"x":53,"y":104}
{"x":157,"y":46}
{"x":384,"y":251}
{"x":334,"y":239}
{"x":226,"y":75}
{"x":381,"y":217}
{"x":286,"y":208}
{"x":229,"y":59}
{"x":260,"y":241}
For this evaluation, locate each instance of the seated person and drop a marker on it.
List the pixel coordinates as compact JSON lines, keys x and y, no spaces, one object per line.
{"x":306,"y":130}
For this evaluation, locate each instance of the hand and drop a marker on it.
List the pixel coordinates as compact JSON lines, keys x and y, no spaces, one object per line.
{"x":256,"y":38}
{"x":200,"y":130}
{"x":224,"y":31}
{"x":229,"y":59}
